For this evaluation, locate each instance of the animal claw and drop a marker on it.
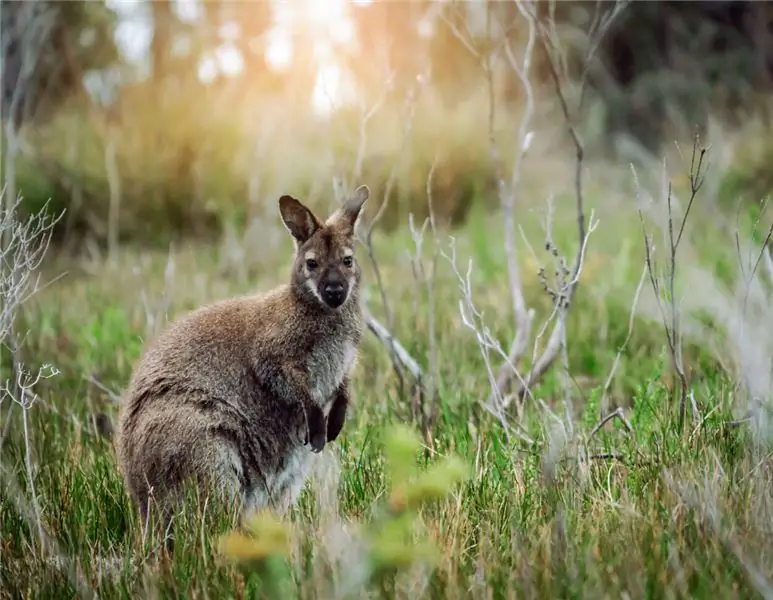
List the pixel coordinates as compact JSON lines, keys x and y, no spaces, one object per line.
{"x":318,"y":442}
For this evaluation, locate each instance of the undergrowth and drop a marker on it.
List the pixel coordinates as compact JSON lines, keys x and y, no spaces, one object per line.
{"x":634,"y":508}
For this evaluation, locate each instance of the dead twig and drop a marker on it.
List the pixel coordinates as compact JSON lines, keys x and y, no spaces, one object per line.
{"x":665,"y":292}
{"x":619,"y":414}
{"x":632,"y":315}
{"x":400,"y":357}
{"x":426,"y":399}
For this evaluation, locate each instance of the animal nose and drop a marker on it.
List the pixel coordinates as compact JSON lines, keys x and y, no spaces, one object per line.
{"x":334,"y":288}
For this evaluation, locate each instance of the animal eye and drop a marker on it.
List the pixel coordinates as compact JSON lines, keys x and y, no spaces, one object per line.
{"x":311,"y":264}
{"x":348,"y":261}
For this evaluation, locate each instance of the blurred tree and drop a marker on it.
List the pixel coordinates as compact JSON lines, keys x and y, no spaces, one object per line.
{"x":388,"y":41}
{"x":668,"y":62}
{"x":463,"y":32}
{"x":164,"y":23}
{"x":78,"y":38}
{"x":254,"y":20}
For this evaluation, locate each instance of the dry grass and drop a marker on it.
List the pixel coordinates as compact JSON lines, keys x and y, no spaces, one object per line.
{"x":658,"y":515}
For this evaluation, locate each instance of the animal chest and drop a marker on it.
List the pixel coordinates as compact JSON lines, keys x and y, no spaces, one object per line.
{"x":327,"y":365}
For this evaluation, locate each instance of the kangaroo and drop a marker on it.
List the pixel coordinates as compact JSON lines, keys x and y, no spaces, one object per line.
{"x":238,"y":394}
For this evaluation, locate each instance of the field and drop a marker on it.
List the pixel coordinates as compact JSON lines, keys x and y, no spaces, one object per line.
{"x":635,"y":508}
{"x":635,"y":464}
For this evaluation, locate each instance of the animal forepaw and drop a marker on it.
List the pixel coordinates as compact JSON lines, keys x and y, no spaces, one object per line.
{"x":318,"y":442}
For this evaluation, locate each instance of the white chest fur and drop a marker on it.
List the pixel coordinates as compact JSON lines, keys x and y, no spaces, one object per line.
{"x":327,"y":365}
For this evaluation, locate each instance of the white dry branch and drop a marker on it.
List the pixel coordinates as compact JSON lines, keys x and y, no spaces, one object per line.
{"x":425,"y":405}
{"x":731,"y":318}
{"x":30,"y":25}
{"x":549,"y":39}
{"x":22,"y":392}
{"x":508,"y":186}
{"x":664,"y":285}
{"x":25,"y":245}
{"x":473,"y":319}
{"x":26,"y":30}
{"x":398,"y":356}
{"x":507,"y":190}
{"x":401,"y":358}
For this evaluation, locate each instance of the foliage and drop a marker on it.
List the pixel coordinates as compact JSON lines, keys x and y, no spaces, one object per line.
{"x":79,"y":41}
{"x":391,"y":540}
{"x":196,"y":159}
{"x":630,"y":506}
{"x":616,"y":526}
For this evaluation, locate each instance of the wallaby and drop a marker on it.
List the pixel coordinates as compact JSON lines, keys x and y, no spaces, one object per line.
{"x":236,"y":395}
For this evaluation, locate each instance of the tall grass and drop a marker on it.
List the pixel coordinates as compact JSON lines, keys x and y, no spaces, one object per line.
{"x":633,"y":508}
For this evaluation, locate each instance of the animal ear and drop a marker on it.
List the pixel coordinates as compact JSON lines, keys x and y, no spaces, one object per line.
{"x":352,"y":208}
{"x":299,"y":220}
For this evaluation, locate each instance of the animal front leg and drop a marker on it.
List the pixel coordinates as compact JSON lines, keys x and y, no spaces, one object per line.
{"x":337,"y":416}
{"x":315,"y":420}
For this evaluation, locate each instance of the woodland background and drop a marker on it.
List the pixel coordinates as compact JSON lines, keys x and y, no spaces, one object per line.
{"x":566,"y":383}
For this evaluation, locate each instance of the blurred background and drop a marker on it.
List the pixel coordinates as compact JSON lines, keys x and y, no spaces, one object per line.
{"x":149,"y":121}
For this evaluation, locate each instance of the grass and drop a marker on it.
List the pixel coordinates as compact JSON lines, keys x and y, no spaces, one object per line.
{"x":656,"y":515}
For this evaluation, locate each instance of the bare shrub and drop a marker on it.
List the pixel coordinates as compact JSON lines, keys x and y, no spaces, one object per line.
{"x":730,"y":318}
{"x":26,"y":243}
{"x":512,"y":381}
{"x":664,"y":285}
{"x":687,"y":293}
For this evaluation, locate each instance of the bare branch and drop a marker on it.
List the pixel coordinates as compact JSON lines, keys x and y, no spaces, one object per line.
{"x":670,"y":321}
{"x":507,"y":193}
{"x":386,"y":338}
{"x":637,"y":293}
{"x":549,"y":42}
{"x":472,"y":318}
{"x":400,"y":357}
{"x":427,"y":415}
{"x":615,"y":414}
{"x":114,"y":186}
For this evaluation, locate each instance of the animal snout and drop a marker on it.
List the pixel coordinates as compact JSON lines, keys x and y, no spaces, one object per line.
{"x":334,"y":293}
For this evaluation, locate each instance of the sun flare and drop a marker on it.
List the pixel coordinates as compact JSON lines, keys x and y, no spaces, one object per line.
{"x":326,"y":24}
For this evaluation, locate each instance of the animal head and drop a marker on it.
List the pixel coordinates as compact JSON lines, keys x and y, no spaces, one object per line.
{"x":325,"y":269}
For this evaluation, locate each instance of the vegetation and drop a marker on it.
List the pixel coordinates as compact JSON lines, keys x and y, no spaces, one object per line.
{"x":636,"y":464}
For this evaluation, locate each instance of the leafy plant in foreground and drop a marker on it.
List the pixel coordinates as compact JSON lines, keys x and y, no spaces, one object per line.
{"x":264,"y":544}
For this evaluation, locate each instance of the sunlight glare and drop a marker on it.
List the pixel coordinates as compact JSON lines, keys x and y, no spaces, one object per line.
{"x":279,"y":50}
{"x":426,"y":27}
{"x":342,"y":31}
{"x":331,"y":90}
{"x":229,"y":59}
{"x":325,"y":13}
{"x":207,"y":70}
{"x":189,"y":11}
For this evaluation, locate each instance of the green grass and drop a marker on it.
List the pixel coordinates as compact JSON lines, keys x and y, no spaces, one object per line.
{"x":531,"y":521}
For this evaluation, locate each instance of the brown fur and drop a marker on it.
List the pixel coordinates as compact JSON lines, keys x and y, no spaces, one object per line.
{"x":236,"y":395}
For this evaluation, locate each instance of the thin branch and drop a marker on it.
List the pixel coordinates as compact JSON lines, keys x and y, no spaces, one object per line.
{"x":670,"y":321}
{"x":620,"y":350}
{"x":400,"y":357}
{"x":615,"y":414}
{"x":390,"y":341}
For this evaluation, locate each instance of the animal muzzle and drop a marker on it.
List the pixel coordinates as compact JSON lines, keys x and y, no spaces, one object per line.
{"x":333,"y":292}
